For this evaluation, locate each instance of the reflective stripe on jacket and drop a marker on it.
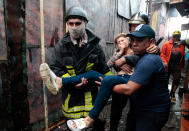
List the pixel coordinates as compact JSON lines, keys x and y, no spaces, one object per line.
{"x":69,"y":60}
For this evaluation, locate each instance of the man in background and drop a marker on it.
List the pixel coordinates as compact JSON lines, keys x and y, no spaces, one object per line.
{"x":172,"y":54}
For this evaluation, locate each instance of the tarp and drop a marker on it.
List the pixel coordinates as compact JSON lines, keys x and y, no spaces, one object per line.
{"x":127,"y":8}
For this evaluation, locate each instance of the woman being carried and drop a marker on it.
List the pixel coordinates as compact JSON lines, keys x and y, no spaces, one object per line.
{"x":54,"y":83}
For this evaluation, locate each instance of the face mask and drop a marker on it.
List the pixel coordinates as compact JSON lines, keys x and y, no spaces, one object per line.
{"x":77,"y":32}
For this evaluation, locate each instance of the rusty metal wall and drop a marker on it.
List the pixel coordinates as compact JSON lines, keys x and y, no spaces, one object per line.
{"x":15,"y":111}
{"x":103,"y":20}
{"x":53,"y":19}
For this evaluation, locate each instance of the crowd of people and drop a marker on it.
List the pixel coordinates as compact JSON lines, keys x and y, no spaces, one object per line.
{"x":79,"y":70}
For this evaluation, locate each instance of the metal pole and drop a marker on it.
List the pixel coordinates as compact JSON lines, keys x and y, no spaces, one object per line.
{"x":43,"y":60}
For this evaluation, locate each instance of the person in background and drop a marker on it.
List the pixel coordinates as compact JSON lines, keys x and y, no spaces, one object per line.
{"x":79,"y":51}
{"x":149,"y":82}
{"x":172,"y":54}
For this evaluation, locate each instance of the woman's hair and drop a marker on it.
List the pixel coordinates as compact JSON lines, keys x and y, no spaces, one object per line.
{"x":118,"y":36}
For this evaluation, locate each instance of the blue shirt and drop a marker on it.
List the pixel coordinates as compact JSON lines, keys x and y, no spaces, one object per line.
{"x":154,"y":94}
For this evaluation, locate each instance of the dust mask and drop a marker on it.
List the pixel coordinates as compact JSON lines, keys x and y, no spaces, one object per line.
{"x":77,"y":32}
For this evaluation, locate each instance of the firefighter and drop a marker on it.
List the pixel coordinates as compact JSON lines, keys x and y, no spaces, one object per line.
{"x":136,"y":20}
{"x":172,"y":54}
{"x":78,"y":52}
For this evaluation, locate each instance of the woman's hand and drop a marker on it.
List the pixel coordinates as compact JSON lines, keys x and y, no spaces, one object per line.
{"x":99,"y":82}
{"x":127,"y":69}
{"x":83,"y":82}
{"x":153,"y":49}
{"x":120,"y":62}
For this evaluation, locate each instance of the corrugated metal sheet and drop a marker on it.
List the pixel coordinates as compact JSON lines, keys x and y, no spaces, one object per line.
{"x":103,"y":20}
{"x":182,"y":7}
{"x":3,"y":45}
{"x":53,"y":19}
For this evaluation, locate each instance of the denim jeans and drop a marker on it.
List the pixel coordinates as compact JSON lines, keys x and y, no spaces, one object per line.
{"x":119,"y":101}
{"x":90,"y":76}
{"x":104,"y":93}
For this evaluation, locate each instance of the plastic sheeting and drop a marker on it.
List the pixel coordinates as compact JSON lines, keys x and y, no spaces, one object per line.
{"x":127,"y":8}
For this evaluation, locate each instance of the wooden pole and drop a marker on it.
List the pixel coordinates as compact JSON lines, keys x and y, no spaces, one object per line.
{"x":43,"y":60}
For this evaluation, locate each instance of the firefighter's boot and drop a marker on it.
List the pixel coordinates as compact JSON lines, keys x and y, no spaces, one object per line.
{"x":173,"y":90}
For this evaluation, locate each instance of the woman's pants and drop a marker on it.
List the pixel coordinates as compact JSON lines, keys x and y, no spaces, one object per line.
{"x":119,"y":101}
{"x":104,"y":93}
{"x":90,"y":76}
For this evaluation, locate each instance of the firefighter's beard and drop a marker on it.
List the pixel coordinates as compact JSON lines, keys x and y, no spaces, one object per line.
{"x":77,"y":32}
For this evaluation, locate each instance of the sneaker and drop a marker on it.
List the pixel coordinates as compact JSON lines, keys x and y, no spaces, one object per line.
{"x":47,"y":78}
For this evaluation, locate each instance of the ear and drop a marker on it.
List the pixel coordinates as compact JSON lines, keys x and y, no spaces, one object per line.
{"x":152,"y":41}
{"x":85,"y":22}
